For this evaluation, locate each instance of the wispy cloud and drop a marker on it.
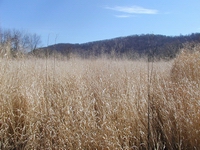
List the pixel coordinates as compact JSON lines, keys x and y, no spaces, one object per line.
{"x":123,"y":16}
{"x":133,"y":9}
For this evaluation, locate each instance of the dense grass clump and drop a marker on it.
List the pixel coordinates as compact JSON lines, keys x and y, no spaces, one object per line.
{"x":187,"y":66}
{"x":98,"y":104}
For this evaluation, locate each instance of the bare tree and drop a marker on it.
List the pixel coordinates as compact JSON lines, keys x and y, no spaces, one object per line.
{"x":35,"y":41}
{"x":15,"y":41}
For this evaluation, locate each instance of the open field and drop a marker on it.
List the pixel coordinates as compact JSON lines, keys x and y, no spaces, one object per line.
{"x":100,"y":104}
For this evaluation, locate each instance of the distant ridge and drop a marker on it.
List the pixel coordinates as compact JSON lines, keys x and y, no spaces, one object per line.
{"x":159,"y":46}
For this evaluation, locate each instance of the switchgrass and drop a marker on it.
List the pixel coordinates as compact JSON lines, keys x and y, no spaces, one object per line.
{"x":187,"y":66}
{"x":97,"y":104}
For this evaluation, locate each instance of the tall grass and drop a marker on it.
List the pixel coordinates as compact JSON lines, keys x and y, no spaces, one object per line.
{"x":96,"y":104}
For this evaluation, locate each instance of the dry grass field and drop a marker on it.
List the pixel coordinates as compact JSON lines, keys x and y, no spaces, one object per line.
{"x":100,"y":104}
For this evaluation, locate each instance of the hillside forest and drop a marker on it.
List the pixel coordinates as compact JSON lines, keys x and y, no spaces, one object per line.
{"x":130,"y":47}
{"x":15,"y":42}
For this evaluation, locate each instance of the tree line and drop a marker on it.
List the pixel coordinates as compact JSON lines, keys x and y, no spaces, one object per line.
{"x":131,"y":47}
{"x":15,"y":42}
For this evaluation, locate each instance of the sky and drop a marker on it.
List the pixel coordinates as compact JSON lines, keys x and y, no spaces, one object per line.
{"x":81,"y":21}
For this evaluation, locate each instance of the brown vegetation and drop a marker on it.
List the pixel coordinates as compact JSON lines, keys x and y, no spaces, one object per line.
{"x":187,"y":65}
{"x":99,"y":104}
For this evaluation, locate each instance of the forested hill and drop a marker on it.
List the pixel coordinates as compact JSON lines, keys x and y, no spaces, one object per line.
{"x":159,"y":46}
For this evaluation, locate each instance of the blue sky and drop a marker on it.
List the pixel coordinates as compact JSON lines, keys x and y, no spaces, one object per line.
{"x":80,"y":21}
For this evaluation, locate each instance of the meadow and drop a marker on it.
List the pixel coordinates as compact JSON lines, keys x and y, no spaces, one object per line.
{"x":100,"y":103}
